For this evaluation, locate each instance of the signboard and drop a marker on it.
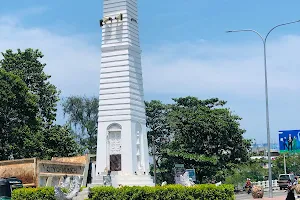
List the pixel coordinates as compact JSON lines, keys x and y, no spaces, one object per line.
{"x":289,"y":141}
{"x":179,"y":170}
{"x":192,"y":174}
{"x":179,"y":165}
{"x":61,"y":169}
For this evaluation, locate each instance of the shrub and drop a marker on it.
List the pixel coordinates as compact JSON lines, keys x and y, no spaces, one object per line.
{"x":45,"y":193}
{"x":169,"y":192}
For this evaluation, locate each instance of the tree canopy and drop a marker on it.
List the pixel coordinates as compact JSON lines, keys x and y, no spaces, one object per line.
{"x":27,"y":65}
{"x":252,"y":169}
{"x":18,"y":107}
{"x":28,"y":109}
{"x":201,"y":134}
{"x":292,"y":165}
{"x":82,"y":117}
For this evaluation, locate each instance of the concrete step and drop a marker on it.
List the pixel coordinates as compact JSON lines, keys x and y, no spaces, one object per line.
{"x":95,"y":184}
{"x":130,"y":180}
{"x":80,"y":197}
{"x":139,"y":184}
{"x":84,"y":194}
{"x":133,"y":177}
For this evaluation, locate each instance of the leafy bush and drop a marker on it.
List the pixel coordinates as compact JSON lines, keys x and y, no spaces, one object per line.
{"x":45,"y":193}
{"x":169,"y":192}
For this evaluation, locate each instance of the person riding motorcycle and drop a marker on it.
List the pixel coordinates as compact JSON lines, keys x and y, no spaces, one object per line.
{"x":248,"y":186}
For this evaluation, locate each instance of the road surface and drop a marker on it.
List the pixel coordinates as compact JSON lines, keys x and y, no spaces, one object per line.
{"x":277,"y":195}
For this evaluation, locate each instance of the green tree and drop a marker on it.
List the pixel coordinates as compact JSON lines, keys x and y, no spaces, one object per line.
{"x":158,"y":127}
{"x":252,"y":169}
{"x":203,"y":134}
{"x":27,"y":143}
{"x":82,"y":117}
{"x":292,"y":165}
{"x":28,"y":109}
{"x":18,"y":107}
{"x":60,"y":143}
{"x":27,"y":65}
{"x":207,"y":136}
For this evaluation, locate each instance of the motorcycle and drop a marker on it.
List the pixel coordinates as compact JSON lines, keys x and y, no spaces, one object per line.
{"x":248,"y":189}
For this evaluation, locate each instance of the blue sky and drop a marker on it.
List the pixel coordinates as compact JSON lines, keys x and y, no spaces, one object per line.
{"x":185,"y":51}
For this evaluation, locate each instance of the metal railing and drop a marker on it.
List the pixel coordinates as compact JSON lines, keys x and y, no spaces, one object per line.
{"x":265,"y":184}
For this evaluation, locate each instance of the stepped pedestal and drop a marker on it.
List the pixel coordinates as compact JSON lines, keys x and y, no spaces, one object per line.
{"x":125,"y":180}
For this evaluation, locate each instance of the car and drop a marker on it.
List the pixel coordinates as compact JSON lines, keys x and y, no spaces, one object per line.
{"x":283,"y":180}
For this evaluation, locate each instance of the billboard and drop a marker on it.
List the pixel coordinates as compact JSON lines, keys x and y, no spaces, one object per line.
{"x":192,"y":174}
{"x":179,"y":170}
{"x":289,"y":141}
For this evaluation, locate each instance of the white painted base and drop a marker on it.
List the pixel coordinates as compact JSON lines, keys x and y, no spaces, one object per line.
{"x":125,"y":180}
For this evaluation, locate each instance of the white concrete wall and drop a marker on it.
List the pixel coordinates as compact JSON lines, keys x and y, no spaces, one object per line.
{"x":121,"y":86}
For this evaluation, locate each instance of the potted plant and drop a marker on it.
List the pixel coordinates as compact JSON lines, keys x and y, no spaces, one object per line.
{"x":257,"y":192}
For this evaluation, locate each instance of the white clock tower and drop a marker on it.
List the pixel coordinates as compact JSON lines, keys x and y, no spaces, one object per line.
{"x":122,"y":145}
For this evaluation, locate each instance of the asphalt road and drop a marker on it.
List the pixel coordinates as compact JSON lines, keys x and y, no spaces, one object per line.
{"x":278,"y":195}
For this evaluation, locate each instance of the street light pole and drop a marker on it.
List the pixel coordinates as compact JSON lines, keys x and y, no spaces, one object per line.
{"x":264,"y":40}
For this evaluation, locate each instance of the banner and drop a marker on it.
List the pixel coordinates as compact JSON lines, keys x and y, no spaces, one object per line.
{"x":179,"y":170}
{"x":192,"y":174}
{"x":289,"y":141}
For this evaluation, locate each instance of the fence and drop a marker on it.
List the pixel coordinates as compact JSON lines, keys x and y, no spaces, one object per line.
{"x":265,"y":184}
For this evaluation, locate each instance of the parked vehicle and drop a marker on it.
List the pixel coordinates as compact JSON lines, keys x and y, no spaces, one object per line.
{"x":15,"y":183}
{"x":7,"y":185}
{"x":5,"y":190}
{"x":283,"y":180}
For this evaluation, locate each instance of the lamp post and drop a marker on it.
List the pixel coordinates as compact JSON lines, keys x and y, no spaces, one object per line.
{"x":264,"y":40}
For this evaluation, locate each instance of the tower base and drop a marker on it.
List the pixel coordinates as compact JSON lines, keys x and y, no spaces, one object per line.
{"x":125,"y":180}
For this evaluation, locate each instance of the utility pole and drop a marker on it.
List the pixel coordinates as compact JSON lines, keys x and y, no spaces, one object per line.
{"x":154,"y":160}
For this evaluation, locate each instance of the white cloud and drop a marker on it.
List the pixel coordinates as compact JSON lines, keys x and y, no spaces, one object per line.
{"x":215,"y":68}
{"x":73,"y":64}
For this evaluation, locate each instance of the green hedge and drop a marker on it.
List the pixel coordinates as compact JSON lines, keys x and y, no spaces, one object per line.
{"x":169,"y":192}
{"x":45,"y":193}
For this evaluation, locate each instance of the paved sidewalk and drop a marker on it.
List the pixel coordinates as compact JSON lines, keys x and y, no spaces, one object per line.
{"x":277,"y":195}
{"x":274,"y":198}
